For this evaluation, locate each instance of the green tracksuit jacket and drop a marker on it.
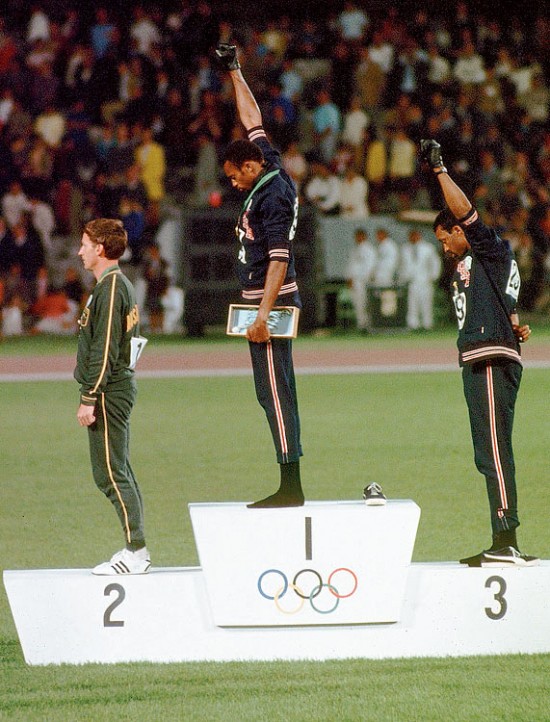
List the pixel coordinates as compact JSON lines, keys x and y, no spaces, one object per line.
{"x":107,"y":324}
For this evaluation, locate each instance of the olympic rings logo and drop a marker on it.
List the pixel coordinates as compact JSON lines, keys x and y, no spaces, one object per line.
{"x":273,"y":584}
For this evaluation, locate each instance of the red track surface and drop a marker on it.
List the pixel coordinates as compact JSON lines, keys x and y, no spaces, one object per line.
{"x":235,"y":356}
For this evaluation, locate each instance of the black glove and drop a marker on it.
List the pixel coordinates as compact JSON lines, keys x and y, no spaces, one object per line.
{"x":227,"y":56}
{"x":430,"y":151}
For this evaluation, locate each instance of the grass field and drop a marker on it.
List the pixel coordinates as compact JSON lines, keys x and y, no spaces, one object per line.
{"x":408,"y":432}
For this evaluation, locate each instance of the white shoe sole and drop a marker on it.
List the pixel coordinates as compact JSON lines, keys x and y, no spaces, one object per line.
{"x":503,"y":563}
{"x":109,"y":571}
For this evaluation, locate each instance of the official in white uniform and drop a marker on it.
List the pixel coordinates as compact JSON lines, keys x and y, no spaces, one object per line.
{"x":420,"y":269}
{"x":387,"y":260}
{"x":360,"y":268}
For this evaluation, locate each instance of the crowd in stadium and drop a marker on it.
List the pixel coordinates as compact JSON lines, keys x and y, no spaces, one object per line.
{"x":104,"y":114}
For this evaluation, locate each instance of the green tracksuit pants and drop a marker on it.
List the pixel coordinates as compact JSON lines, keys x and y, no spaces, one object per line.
{"x":109,"y":439}
{"x":491,"y":389}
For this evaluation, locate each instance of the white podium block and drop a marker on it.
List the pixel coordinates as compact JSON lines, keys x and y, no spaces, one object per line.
{"x":324,"y":563}
{"x":70,"y":616}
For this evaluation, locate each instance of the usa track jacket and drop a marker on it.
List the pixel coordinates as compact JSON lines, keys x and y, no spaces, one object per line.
{"x":486,"y":286}
{"x":267,"y":224}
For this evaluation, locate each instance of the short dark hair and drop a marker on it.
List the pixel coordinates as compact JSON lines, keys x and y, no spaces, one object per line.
{"x":110,"y":233}
{"x":240,"y":151}
{"x":445,"y":219}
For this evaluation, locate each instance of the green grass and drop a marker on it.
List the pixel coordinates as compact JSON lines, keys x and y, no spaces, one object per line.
{"x":409,"y":432}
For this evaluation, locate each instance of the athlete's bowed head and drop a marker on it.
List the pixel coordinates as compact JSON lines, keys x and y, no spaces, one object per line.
{"x":243,"y":163}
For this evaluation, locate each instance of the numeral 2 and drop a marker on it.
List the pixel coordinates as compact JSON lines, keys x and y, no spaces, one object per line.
{"x":107,"y":621}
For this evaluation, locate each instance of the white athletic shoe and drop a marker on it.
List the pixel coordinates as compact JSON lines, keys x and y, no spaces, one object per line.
{"x":125,"y":562}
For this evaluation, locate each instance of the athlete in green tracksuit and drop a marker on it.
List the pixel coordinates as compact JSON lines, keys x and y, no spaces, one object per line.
{"x":486,"y":286}
{"x":104,"y":370}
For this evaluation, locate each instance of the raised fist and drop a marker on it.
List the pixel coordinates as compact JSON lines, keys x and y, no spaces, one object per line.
{"x":430,"y":151}
{"x":227,"y":56}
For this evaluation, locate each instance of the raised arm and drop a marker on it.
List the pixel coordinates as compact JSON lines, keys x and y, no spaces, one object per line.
{"x":247,"y":107}
{"x":456,"y":200}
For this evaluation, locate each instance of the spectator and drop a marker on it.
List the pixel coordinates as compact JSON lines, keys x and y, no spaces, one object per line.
{"x":55,"y":313}
{"x":14,"y":204}
{"x":353,"y":195}
{"x":132,"y":215}
{"x":295,"y":164}
{"x":356,"y":122}
{"x":44,"y":88}
{"x":535,"y":100}
{"x":376,"y":164}
{"x":20,"y":121}
{"x":143,"y":31}
{"x":369,"y":81}
{"x":352,"y":23}
{"x":133,"y":187}
{"x":43,"y":221}
{"x":381,"y":52}
{"x":469,"y":69}
{"x":489,"y":97}
{"x":408,"y":74}
{"x":209,"y":118}
{"x":155,"y":273}
{"x":7,"y":104}
{"x":102,"y":33}
{"x":402,"y":167}
{"x":280,"y":117}
{"x":37,"y":171}
{"x":151,"y":159}
{"x":12,"y":316}
{"x":122,"y":155}
{"x":292,"y":84}
{"x":326,"y":123}
{"x":38,"y":27}
{"x":323,"y":188}
{"x":206,"y":181}
{"x":8,"y":49}
{"x":439,"y":69}
{"x":28,"y":256}
{"x":50,"y":125}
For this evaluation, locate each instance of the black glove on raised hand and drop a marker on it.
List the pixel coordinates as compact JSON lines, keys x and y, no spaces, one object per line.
{"x":430,"y":151}
{"x":227,"y":56}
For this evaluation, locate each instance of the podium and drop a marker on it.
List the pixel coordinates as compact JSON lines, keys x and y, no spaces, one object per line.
{"x":324,"y":563}
{"x":329,"y":580}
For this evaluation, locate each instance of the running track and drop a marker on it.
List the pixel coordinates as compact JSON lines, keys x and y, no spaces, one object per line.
{"x":233,"y":360}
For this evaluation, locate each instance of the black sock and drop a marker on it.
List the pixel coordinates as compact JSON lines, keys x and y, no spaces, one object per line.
{"x":291,"y":482}
{"x":505,"y":538}
{"x":290,"y":490}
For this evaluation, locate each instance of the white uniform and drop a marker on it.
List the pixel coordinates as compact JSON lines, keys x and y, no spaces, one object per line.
{"x":360,"y":268}
{"x":420,"y":268}
{"x":387,"y":261}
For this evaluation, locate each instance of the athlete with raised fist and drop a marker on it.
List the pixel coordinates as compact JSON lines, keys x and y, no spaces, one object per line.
{"x":486,"y":286}
{"x":265,"y":230}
